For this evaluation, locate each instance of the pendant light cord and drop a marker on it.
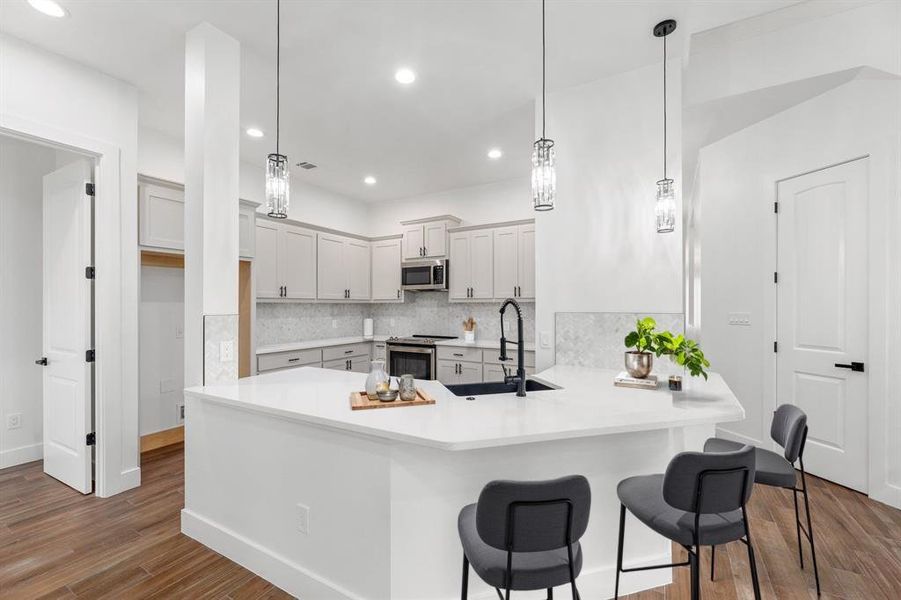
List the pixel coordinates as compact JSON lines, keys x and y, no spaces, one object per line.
{"x":664,"y":107}
{"x":278,"y":69}
{"x":543,"y":75}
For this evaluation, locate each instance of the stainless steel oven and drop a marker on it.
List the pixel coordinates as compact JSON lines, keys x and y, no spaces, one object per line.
{"x":421,"y":275}
{"x":415,"y":355}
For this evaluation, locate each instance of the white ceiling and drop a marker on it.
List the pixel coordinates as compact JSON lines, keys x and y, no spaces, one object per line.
{"x":477,"y":66}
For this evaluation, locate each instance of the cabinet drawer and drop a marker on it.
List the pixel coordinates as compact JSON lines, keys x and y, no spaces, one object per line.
{"x":357,"y":364}
{"x":491,"y":357}
{"x":282,"y":360}
{"x":459,"y":354}
{"x":346,"y":351}
{"x":496,"y":372}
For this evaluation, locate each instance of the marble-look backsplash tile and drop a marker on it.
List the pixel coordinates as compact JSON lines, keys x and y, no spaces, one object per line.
{"x":422,"y":313}
{"x":431,"y":313}
{"x":596,"y":339}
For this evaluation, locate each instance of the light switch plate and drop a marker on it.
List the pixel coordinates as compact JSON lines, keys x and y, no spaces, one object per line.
{"x":13,"y":420}
{"x":227,"y":351}
{"x":303,"y":519}
{"x":545,"y":339}
{"x":741,"y":319}
{"x":179,"y":331}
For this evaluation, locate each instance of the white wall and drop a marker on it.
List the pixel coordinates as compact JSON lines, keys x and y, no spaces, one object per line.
{"x":162,"y":347}
{"x":22,"y":167}
{"x":598,"y":250}
{"x":490,"y":203}
{"x":49,"y":97}
{"x":738,"y":185}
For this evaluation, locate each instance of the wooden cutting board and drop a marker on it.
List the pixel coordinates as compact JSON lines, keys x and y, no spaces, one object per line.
{"x":360,"y":401}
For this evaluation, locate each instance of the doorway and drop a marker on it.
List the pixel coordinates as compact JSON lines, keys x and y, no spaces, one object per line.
{"x":47,"y":372}
{"x":822,"y":315}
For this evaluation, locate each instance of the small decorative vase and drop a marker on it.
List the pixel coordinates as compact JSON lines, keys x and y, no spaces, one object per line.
{"x":469,"y":336}
{"x":377,"y":380}
{"x":639,"y":364}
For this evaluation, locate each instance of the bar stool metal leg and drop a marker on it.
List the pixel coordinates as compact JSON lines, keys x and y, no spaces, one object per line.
{"x":798,"y":527}
{"x":712,"y":561}
{"x":813,"y":552}
{"x":695,"y":573}
{"x":619,"y":548}
{"x":464,"y":589}
{"x":751,"y":558}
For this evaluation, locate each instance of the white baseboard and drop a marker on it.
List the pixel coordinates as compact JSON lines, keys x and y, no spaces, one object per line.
{"x":21,"y":455}
{"x":127,"y":479}
{"x":302,"y":583}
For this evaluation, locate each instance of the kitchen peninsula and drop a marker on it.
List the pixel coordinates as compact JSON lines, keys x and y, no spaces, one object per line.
{"x":283,"y":478}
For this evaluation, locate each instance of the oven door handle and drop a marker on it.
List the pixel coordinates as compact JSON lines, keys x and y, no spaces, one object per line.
{"x":413,"y":349}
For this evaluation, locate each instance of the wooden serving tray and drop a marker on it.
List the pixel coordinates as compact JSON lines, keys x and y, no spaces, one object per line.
{"x":360,"y":401}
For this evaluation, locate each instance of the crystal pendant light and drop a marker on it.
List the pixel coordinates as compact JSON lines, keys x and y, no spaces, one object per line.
{"x":544,"y":174}
{"x":665,"y":209}
{"x":277,"y":174}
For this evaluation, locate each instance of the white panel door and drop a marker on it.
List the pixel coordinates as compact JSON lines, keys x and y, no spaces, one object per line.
{"x":386,"y":270}
{"x":332,"y":272}
{"x":297,"y":262}
{"x":481,"y":268}
{"x":161,"y":217}
{"x":266,"y":262}
{"x":67,"y":326}
{"x":505,"y":267}
{"x":357,"y":262}
{"x":459,"y":266}
{"x":526,"y":261}
{"x":413,"y":242}
{"x":822,"y":316}
{"x":435,"y":239}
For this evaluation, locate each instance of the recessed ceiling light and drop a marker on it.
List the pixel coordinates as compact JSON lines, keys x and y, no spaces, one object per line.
{"x":369,"y":180}
{"x":254,"y":132}
{"x":405,"y":76}
{"x":495,"y":153}
{"x":49,"y":8}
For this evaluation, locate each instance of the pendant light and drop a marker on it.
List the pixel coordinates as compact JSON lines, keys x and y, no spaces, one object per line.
{"x":665,"y":209}
{"x":544,"y":175}
{"x":277,"y":174}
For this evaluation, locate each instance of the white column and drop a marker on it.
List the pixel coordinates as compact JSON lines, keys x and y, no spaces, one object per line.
{"x":212,"y":113}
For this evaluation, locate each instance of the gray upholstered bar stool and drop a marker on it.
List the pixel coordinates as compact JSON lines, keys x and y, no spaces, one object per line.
{"x":699,"y":501}
{"x":789,"y":430}
{"x":524,"y":535}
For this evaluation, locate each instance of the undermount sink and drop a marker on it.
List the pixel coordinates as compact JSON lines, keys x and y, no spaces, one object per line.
{"x":495,"y":387}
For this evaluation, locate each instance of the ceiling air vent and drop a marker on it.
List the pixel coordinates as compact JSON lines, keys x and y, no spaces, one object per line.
{"x":306,"y":165}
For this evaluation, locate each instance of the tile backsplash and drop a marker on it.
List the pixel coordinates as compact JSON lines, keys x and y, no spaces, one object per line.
{"x":596,"y":339}
{"x":422,"y":313}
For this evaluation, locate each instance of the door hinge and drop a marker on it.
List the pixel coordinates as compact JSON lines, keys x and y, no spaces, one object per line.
{"x":89,"y":356}
{"x":89,"y":272}
{"x":89,"y":189}
{"x":776,"y":207}
{"x":90,"y":439}
{"x":775,"y":346}
{"x":775,"y":277}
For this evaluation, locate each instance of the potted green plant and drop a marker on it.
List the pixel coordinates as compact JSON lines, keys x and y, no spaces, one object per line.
{"x":649,"y":343}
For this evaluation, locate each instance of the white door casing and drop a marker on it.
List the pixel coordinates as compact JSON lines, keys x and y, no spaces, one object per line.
{"x":67,"y":326}
{"x":822,"y":315}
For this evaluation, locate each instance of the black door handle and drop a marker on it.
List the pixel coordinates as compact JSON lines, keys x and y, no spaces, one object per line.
{"x":42,"y":361}
{"x":854,"y":366}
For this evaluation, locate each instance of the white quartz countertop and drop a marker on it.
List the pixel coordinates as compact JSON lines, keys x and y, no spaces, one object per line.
{"x":292,"y":346}
{"x":588,"y":404}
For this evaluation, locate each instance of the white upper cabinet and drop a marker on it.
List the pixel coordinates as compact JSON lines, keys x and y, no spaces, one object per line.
{"x":344,"y":268}
{"x":386,"y":259}
{"x":297,"y":262}
{"x":285,"y":263}
{"x":413,"y":242}
{"x":471,"y":264}
{"x":247,"y":229}
{"x":265,"y":267}
{"x":161,"y":213}
{"x":514,"y":261}
{"x":427,"y":238}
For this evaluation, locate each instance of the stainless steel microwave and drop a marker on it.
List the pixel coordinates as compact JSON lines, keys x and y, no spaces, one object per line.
{"x":431,"y":274}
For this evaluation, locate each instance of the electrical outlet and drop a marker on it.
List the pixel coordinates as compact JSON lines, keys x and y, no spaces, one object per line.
{"x":180,"y":412}
{"x":303,"y":519}
{"x":227,"y":351}
{"x":179,"y":331}
{"x":334,"y":323}
{"x":741,"y":319}
{"x":545,"y":339}
{"x":13,"y":420}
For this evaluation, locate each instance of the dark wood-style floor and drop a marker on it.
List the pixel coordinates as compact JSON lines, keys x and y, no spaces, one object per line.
{"x":56,"y":543}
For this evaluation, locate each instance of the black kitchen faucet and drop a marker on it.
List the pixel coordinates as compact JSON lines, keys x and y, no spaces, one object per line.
{"x":520,"y":378}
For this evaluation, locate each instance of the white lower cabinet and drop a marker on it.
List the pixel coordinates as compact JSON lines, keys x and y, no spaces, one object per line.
{"x":356,"y":364}
{"x":495,"y":372}
{"x":452,"y":372}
